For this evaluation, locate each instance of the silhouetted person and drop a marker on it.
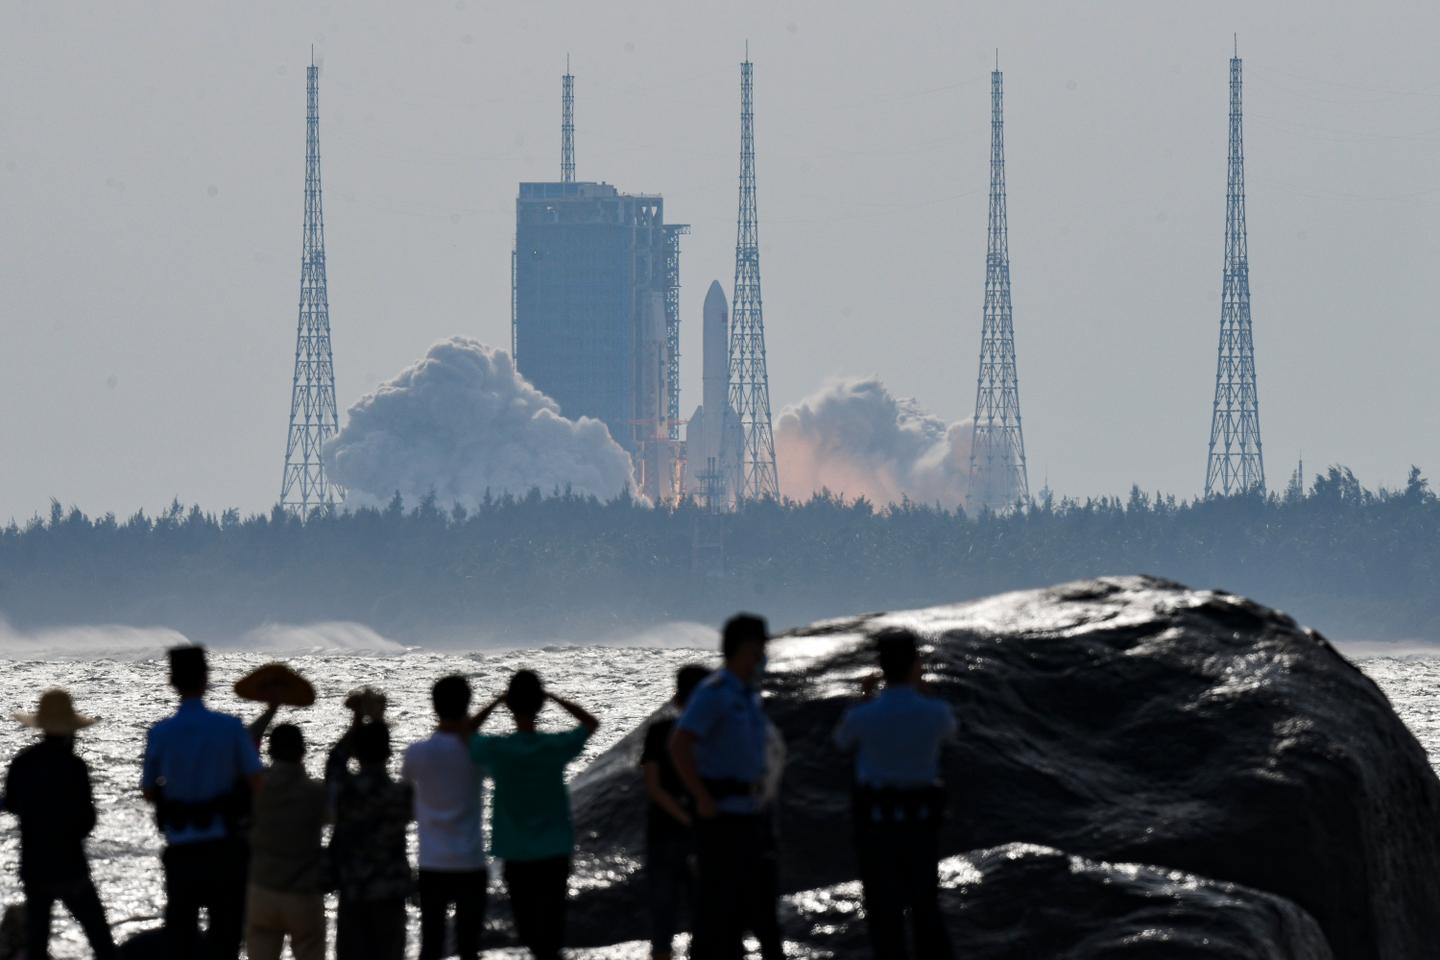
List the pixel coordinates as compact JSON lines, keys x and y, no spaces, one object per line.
{"x":669,"y":821}
{"x":48,"y":788}
{"x":899,"y":803}
{"x":201,"y":770}
{"x":531,"y":827}
{"x":719,"y":750}
{"x":287,"y":857}
{"x":447,"y":811}
{"x":367,"y":848}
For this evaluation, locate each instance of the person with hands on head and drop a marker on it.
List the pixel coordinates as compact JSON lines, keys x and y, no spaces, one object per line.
{"x":669,"y":837}
{"x":531,"y":825}
{"x":448,"y":808}
{"x":719,"y":749}
{"x":898,"y":803}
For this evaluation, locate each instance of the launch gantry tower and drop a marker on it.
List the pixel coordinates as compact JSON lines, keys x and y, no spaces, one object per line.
{"x":306,"y":487}
{"x":749,"y":376}
{"x":998,"y":477}
{"x":1235,"y":463}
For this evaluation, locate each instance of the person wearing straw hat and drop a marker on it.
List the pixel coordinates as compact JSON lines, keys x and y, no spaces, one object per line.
{"x":48,"y":788}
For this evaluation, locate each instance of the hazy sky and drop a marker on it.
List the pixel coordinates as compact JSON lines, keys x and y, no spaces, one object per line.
{"x":151,"y":177}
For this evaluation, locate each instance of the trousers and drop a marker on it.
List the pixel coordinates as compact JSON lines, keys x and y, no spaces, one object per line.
{"x":439,"y":891}
{"x":79,"y":897}
{"x":739,"y":887}
{"x":209,"y":874}
{"x":898,"y":858}
{"x":370,"y":929}
{"x":672,"y":884}
{"x":539,"y":891}
{"x":271,"y":916}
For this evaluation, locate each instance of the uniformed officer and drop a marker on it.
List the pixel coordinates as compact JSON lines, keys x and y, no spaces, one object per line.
{"x":719,"y":750}
{"x":898,"y":801}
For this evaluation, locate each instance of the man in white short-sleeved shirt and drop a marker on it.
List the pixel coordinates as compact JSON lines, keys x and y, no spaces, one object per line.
{"x":448,"y":807}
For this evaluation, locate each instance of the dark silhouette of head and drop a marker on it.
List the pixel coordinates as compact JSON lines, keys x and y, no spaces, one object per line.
{"x":687,"y":678}
{"x":451,"y":697}
{"x":525,"y":695}
{"x":189,"y":673}
{"x":899,"y":654}
{"x":742,"y":630}
{"x":287,"y":744}
{"x":372,"y":743}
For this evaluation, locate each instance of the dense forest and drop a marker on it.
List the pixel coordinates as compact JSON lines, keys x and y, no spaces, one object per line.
{"x":1355,"y":563}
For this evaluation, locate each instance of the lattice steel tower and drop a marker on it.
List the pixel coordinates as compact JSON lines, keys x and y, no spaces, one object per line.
{"x":749,"y":377}
{"x":313,"y":416}
{"x":998,"y":478}
{"x":567,"y":126}
{"x":1236,"y":464}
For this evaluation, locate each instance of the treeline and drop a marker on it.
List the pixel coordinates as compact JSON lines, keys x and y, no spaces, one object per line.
{"x":1352,"y":562}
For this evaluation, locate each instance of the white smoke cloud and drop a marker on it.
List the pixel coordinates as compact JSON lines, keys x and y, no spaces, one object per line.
{"x":854,"y":438}
{"x":462,"y":421}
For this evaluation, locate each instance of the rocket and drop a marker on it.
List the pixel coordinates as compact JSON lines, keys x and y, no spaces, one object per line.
{"x":713,"y":438}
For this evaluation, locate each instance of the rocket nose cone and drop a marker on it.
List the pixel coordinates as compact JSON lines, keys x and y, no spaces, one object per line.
{"x":714,"y":297}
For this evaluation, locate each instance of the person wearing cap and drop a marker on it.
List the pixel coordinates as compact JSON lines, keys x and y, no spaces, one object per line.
{"x":287,"y":857}
{"x":898,"y":801}
{"x":719,"y":748}
{"x":531,"y":826}
{"x":201,"y":770}
{"x":48,"y":788}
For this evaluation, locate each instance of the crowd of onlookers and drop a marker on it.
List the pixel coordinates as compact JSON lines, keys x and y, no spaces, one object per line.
{"x":245,"y":842}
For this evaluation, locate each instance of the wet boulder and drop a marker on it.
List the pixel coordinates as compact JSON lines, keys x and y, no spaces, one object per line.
{"x":1029,"y":901}
{"x":1123,"y":720}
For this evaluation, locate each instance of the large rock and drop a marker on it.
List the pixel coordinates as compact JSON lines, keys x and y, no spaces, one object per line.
{"x":1122,"y":720}
{"x":1028,"y":901}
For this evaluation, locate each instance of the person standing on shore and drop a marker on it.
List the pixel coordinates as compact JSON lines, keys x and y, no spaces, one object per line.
{"x":719,"y":749}
{"x":201,"y":770}
{"x":287,"y":857}
{"x":48,"y":788}
{"x":448,"y":808}
{"x":367,"y":848}
{"x":531,"y":826}
{"x":899,"y":803}
{"x":669,"y":823}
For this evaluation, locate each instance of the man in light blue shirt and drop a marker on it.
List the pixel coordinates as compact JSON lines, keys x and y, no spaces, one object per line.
{"x":719,"y":749}
{"x":899,"y":803}
{"x":200,"y":770}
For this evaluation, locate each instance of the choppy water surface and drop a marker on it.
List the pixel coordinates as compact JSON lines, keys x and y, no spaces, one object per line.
{"x":620,"y":685}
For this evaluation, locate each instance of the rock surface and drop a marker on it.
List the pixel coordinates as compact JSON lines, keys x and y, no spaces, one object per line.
{"x":1123,"y":720}
{"x":1029,"y":901}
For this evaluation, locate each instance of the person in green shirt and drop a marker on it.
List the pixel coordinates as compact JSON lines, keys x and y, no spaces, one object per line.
{"x":531,"y":827}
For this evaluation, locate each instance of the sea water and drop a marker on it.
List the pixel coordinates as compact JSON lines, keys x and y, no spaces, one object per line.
{"x":120,"y":678}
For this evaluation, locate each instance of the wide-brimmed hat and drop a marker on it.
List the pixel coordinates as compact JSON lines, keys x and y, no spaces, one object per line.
{"x":55,"y":715}
{"x":275,"y":683}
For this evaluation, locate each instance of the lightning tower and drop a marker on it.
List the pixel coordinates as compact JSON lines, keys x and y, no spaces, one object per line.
{"x":998,"y":478}
{"x":1235,"y":464}
{"x":567,"y":126}
{"x":314,"y":419}
{"x":749,"y":377}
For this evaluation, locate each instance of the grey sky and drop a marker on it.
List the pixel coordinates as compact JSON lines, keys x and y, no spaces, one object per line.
{"x":151,"y":160}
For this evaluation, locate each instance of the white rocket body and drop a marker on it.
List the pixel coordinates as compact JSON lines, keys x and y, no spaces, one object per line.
{"x":713,"y":438}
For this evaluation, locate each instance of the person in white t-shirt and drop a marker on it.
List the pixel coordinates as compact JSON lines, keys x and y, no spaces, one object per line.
{"x":448,"y":807}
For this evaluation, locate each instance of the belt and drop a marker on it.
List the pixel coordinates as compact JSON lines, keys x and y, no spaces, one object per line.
{"x":898,"y":804}
{"x":722,"y":788}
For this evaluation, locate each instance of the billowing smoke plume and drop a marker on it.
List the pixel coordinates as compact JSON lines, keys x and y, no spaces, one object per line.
{"x":462,"y":421}
{"x":854,"y":438}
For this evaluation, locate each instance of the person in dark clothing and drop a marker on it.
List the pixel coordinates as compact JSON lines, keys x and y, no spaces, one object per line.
{"x":669,"y":818}
{"x":720,"y":747}
{"x":201,"y":770}
{"x":531,"y":826}
{"x":899,"y":803}
{"x":48,"y":788}
{"x":367,"y":848}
